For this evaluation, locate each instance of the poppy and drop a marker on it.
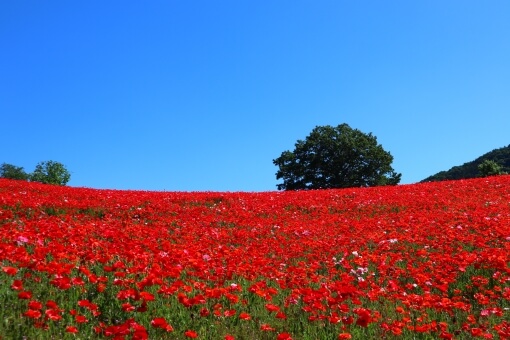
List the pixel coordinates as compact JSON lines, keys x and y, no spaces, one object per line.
{"x":244,"y":316}
{"x":53,"y":314}
{"x":266,"y":327}
{"x":81,"y":319}
{"x":35,"y":305}
{"x":24,"y":295}
{"x":284,"y":336}
{"x":71,"y":329}
{"x":10,"y":270}
{"x":191,"y":334}
{"x":146,"y":296}
{"x":33,"y":313}
{"x":17,"y":285}
{"x":272,"y":308}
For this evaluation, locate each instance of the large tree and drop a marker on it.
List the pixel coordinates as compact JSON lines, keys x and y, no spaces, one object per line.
{"x":50,"y":172}
{"x":335,"y":157}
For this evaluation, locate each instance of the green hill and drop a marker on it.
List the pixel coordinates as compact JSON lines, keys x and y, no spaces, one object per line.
{"x":470,"y":169}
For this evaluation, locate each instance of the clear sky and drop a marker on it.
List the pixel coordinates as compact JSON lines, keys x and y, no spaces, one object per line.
{"x":202,"y":95}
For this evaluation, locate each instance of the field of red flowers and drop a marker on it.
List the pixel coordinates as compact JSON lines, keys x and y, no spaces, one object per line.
{"x":421,"y":261}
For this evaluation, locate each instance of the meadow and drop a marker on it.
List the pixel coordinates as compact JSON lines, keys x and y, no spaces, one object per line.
{"x":420,"y":261}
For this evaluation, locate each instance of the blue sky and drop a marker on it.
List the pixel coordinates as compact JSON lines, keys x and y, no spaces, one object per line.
{"x":203,"y":95}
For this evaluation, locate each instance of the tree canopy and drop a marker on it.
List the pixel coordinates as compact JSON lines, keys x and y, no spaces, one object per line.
{"x":50,"y":172}
{"x":490,"y":168}
{"x":13,"y":172}
{"x":335,"y":157}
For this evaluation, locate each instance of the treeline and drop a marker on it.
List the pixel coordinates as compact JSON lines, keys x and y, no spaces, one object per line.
{"x":495,"y":162}
{"x":48,"y":172}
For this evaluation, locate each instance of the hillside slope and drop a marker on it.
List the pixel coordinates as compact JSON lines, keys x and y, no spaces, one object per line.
{"x":418,"y":261}
{"x":470,"y":169}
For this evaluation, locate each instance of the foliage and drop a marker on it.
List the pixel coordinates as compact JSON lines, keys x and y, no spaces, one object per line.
{"x":12,"y":172}
{"x":50,"y":172}
{"x":422,"y":261}
{"x":335,"y":157}
{"x":500,"y":156}
{"x":490,"y":168}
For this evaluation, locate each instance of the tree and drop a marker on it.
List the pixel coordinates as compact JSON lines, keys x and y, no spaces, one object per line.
{"x":335,"y":157}
{"x":13,"y":172}
{"x":490,"y":168}
{"x":50,"y":172}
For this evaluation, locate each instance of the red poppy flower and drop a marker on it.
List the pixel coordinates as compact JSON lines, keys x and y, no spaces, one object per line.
{"x":77,"y":281}
{"x":33,"y":313}
{"x":272,"y":308}
{"x":266,"y":327}
{"x":81,"y":319}
{"x":476,"y":331}
{"x":161,"y":323}
{"x":281,"y":315}
{"x":363,"y":317}
{"x":17,"y":285}
{"x":53,"y":314}
{"x":10,"y":270}
{"x":191,"y":334}
{"x":51,"y":304}
{"x":71,"y":329}
{"x":24,"y":295}
{"x":229,"y":312}
{"x":347,"y":320}
{"x":284,"y":336}
{"x":446,"y":336}
{"x":140,"y":333}
{"x":244,"y":316}
{"x":35,"y":305}
{"x":127,"y":307}
{"x":158,"y":322}
{"x":147,"y":296}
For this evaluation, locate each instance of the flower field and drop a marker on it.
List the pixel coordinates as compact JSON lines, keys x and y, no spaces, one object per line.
{"x":421,"y":261}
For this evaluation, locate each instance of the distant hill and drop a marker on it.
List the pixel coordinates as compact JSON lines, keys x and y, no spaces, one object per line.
{"x":470,"y":169}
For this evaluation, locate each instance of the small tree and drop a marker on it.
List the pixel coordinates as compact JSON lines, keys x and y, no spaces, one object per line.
{"x":335,"y":157}
{"x":490,"y":168}
{"x":13,"y":172}
{"x":50,"y":172}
